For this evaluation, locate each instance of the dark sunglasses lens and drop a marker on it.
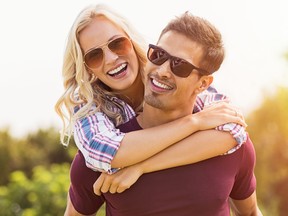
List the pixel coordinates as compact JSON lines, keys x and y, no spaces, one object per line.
{"x":157,"y":56}
{"x":181,"y":67}
{"x":178,"y":66}
{"x":94,"y":58}
{"x":120,"y":46}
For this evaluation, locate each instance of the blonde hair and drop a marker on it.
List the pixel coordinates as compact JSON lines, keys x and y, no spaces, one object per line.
{"x":78,"y":81}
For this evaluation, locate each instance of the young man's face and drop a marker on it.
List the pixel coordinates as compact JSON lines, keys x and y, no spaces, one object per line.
{"x":164,"y":89}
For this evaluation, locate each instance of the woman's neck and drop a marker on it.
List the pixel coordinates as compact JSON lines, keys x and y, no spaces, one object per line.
{"x":134,"y":94}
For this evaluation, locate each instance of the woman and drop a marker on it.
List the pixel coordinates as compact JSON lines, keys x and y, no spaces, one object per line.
{"x":103,"y":63}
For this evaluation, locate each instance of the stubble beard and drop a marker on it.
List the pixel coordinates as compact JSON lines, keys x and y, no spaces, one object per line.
{"x":153,"y":101}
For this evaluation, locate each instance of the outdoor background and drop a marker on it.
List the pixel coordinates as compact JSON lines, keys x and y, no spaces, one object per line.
{"x":35,"y":167}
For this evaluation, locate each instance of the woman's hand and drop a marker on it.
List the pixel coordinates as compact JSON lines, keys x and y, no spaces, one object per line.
{"x":119,"y":181}
{"x":217,"y":114}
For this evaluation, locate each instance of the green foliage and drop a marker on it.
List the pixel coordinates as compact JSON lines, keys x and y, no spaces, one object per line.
{"x":44,"y":194}
{"x":40,"y":148}
{"x":101,"y":211}
{"x":268,"y":129}
{"x":5,"y":156}
{"x":34,"y":176}
{"x":286,"y":55}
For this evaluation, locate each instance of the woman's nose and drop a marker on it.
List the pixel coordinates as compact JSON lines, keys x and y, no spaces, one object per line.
{"x":109,"y":56}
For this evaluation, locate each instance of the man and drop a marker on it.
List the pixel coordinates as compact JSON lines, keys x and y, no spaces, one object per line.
{"x":189,"y":50}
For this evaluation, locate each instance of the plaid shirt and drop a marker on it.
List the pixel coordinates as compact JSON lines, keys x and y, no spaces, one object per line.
{"x":98,"y":139}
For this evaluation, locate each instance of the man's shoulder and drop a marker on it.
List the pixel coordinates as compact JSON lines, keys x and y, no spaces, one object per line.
{"x":249,"y":150}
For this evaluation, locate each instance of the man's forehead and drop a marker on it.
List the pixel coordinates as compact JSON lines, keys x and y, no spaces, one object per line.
{"x":179,"y":45}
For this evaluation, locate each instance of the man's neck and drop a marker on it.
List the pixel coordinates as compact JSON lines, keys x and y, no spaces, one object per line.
{"x":152,"y":116}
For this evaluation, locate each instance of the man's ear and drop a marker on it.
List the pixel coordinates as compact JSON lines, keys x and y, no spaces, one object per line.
{"x":205,"y":82}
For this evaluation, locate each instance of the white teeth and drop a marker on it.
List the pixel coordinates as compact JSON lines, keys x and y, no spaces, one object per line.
{"x":160,"y":85}
{"x":116,"y":70}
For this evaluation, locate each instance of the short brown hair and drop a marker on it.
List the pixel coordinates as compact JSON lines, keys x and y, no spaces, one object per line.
{"x":203,"y":32}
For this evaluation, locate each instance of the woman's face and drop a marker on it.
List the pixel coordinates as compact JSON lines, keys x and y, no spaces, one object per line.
{"x":118,"y":72}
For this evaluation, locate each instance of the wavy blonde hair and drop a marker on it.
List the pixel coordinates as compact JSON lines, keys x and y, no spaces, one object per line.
{"x":78,"y":81}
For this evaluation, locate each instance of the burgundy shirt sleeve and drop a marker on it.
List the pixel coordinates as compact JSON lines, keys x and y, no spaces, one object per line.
{"x":81,"y":189}
{"x":245,"y":181}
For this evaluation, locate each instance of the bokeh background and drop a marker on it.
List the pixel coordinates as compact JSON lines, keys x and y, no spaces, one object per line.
{"x":35,"y":167}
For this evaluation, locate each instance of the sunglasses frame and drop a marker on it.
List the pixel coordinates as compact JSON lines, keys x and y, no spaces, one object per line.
{"x":172,"y":58}
{"x":102,"y":47}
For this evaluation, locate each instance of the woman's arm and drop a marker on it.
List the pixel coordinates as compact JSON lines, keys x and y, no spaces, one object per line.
{"x":139,"y":145}
{"x":197,"y":147}
{"x":99,"y":140}
{"x":201,"y":145}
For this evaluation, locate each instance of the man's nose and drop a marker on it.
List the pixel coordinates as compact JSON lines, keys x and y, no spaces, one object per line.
{"x":164,"y":70}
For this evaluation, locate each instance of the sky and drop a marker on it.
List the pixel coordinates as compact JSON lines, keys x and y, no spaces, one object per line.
{"x":34,"y":33}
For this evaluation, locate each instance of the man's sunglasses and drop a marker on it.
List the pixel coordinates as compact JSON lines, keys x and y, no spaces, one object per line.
{"x":179,"y":66}
{"x":94,"y":58}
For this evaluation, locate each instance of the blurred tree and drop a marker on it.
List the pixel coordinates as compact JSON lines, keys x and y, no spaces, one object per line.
{"x":44,"y":194}
{"x":286,"y":56}
{"x":40,"y":148}
{"x":5,"y":157}
{"x":268,"y":127}
{"x":35,"y":174}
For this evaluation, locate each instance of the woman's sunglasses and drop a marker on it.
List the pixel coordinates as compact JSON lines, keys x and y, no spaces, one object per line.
{"x":94,"y":57}
{"x":179,"y":67}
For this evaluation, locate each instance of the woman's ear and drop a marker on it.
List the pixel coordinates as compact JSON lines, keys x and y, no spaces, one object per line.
{"x":205,"y":82}
{"x":91,"y":76}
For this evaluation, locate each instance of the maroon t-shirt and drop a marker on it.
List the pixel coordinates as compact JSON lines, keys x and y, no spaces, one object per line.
{"x":197,"y":189}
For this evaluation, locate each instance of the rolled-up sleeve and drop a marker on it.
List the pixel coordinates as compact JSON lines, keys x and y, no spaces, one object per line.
{"x":98,"y":139}
{"x":211,"y":96}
